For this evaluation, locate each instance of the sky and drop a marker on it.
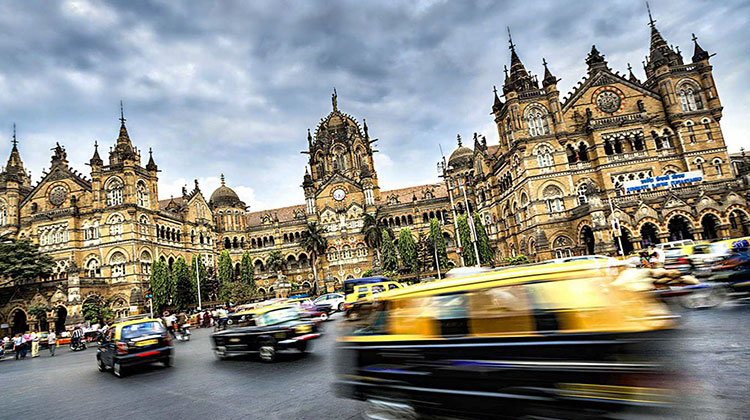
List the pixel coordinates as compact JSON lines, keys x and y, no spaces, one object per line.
{"x":232,"y":86}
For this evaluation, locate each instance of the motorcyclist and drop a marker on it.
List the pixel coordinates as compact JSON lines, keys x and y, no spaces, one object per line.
{"x":77,"y":337}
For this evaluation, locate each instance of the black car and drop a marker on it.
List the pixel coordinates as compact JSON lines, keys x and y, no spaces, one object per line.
{"x":265,"y":331}
{"x":134,"y":343}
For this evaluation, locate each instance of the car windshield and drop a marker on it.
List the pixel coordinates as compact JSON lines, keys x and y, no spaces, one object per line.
{"x":277,"y":317}
{"x":141,"y":329}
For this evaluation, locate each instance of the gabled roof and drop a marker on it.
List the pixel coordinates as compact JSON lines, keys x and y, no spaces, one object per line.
{"x":602,"y":77}
{"x":59,"y":172}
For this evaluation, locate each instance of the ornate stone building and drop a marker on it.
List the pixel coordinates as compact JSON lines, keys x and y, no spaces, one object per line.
{"x":552,"y":185}
{"x":549,"y":189}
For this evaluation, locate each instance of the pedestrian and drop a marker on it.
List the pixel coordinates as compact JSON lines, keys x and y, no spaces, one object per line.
{"x":18,"y":346}
{"x":34,"y":344}
{"x":26,"y":344}
{"x":52,"y":342}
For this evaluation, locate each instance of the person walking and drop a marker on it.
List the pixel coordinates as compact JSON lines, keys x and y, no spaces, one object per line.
{"x":34,"y":344}
{"x":26,"y":344}
{"x":18,"y":346}
{"x":52,"y":342}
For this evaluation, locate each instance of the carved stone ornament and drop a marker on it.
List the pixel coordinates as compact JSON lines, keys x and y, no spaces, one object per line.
{"x":58,"y":195}
{"x":608,"y":101}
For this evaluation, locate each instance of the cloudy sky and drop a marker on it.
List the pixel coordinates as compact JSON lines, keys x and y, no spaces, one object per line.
{"x":232,"y":87}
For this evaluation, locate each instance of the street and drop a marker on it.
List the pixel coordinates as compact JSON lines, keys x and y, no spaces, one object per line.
{"x":712,"y":353}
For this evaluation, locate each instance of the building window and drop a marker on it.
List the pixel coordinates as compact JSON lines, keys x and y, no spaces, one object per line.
{"x":117,"y":262}
{"x":707,"y":127}
{"x":115,"y":224}
{"x":582,"y":191}
{"x":537,"y":123}
{"x":3,"y":212}
{"x":114,"y":192}
{"x":92,"y":268}
{"x":690,"y":99}
{"x":544,"y":157}
{"x":691,"y":134}
{"x":699,"y":164}
{"x":141,"y":193}
{"x":717,"y":165}
{"x":553,"y":198}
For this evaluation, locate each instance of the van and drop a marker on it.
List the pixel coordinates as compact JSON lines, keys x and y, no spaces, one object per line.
{"x":575,"y":339}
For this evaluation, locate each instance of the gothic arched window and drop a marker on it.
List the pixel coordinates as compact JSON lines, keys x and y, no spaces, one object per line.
{"x":145,"y":263}
{"x":115,"y":224}
{"x":536,"y":120}
{"x":141,"y":194}
{"x":117,"y":262}
{"x":544,"y":156}
{"x":114,"y":191}
{"x":552,"y":195}
{"x":717,"y":166}
{"x":92,"y":268}
{"x":690,"y":98}
{"x":582,"y":194}
{"x":3,"y":212}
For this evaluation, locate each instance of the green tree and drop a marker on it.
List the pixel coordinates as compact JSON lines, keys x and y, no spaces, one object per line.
{"x":467,"y":247}
{"x":407,"y":248}
{"x":372,"y":229}
{"x":316,"y":244}
{"x":390,"y":258}
{"x":236,"y":291}
{"x":518,"y":260}
{"x":205,"y":286}
{"x":21,"y":262}
{"x":162,"y":287}
{"x":226,"y":273}
{"x":184,"y":286}
{"x":437,"y":243}
{"x":275,"y":262}
{"x":486,"y":255}
{"x":94,"y":310}
{"x":39,"y":312}
{"x":247,"y":270}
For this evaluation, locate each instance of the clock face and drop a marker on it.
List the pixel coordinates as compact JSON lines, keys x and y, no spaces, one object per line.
{"x":339,"y":194}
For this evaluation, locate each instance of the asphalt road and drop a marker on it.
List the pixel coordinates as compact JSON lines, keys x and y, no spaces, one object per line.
{"x":713,"y":353}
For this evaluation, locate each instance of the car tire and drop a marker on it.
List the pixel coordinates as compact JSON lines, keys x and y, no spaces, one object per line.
{"x":341,"y":307}
{"x":100,"y":364}
{"x":302,"y":346}
{"x":168,"y":361}
{"x":118,"y":370}
{"x":324,"y":316}
{"x":267,"y":350}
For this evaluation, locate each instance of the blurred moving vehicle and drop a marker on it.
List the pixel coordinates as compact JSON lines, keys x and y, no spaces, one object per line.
{"x":335,"y":300}
{"x":551,"y":341}
{"x":465,"y":271}
{"x":674,"y":244}
{"x":311,"y":309}
{"x":132,"y":343}
{"x":265,"y":331}
{"x":365,"y":293}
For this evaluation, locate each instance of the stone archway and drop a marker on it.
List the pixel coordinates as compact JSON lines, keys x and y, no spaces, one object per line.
{"x":19,"y":321}
{"x":739,"y":224}
{"x":710,"y":224}
{"x":587,"y":239}
{"x":627,"y":242}
{"x":649,"y":235}
{"x":679,"y":228}
{"x":60,"y":316}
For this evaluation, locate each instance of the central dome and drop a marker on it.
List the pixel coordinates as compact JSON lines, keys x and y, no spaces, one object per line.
{"x":224,"y":196}
{"x":461,"y":157}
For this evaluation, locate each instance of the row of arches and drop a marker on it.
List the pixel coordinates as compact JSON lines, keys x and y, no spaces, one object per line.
{"x":168,"y":233}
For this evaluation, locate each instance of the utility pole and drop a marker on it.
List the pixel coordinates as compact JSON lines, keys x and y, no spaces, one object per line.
{"x":442,"y":167}
{"x":198,"y":279}
{"x":471,"y":223}
{"x":615,"y":225}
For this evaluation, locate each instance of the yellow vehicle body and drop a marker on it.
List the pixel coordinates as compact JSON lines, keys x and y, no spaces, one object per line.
{"x":569,"y":333}
{"x":366,"y":292}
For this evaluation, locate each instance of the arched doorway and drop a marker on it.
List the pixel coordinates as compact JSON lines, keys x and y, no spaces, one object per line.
{"x":627,"y":242}
{"x":649,"y":235}
{"x":679,"y":228}
{"x":587,"y":239}
{"x":61,"y":314}
{"x":19,"y":322}
{"x":710,"y":224}
{"x":739,"y":224}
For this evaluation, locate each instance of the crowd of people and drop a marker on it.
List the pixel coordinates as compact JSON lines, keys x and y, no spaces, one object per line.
{"x":29,"y":342}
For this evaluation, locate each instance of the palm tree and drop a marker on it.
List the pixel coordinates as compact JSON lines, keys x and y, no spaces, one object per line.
{"x":275,"y":262}
{"x":373,"y":231}
{"x":314,"y":242}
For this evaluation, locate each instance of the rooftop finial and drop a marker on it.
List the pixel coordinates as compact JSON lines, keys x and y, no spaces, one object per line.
{"x":505,"y":69}
{"x":15,"y":141}
{"x":510,"y":40}
{"x":122,"y":113}
{"x":458,"y":137}
{"x":335,"y":100}
{"x":494,"y":89}
{"x":695,"y":38}
{"x":651,"y":21}
{"x":222,"y":180}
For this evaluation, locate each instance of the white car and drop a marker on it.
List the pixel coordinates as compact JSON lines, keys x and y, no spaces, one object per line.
{"x":336,"y":300}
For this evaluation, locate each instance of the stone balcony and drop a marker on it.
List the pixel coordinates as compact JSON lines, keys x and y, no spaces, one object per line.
{"x":627,"y":156}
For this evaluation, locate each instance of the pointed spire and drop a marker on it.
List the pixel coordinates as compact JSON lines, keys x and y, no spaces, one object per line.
{"x":498,"y":103}
{"x":549,"y":79}
{"x":519,"y":78}
{"x":595,"y":59}
{"x":123,"y":137}
{"x":659,"y":51}
{"x":335,"y":100}
{"x":631,"y":76}
{"x":458,"y":137}
{"x":15,"y":142}
{"x":364,"y":123}
{"x":96,"y":160}
{"x":651,"y":20}
{"x":151,"y":165}
{"x":14,"y":160}
{"x":309,"y":137}
{"x":699,"y":54}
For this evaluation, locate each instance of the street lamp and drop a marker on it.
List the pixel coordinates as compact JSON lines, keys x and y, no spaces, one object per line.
{"x":442,"y":172}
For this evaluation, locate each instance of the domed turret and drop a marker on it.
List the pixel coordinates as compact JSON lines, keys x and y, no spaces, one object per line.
{"x":462,"y":157}
{"x":224,"y":196}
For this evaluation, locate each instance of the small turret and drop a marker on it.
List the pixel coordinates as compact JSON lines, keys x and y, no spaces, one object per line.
{"x":151,"y":165}
{"x":699,"y":54}
{"x":96,"y":160}
{"x":595,"y":60}
{"x":549,"y":79}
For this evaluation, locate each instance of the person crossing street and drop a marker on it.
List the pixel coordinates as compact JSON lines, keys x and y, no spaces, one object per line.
{"x":52,"y":341}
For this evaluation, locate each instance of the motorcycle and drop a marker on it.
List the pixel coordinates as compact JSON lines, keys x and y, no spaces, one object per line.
{"x":183,"y":333}
{"x":77,"y":345}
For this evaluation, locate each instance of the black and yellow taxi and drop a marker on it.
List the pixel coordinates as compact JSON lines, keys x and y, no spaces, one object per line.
{"x":265,"y":331}
{"x":134,"y":342}
{"x":564,"y":340}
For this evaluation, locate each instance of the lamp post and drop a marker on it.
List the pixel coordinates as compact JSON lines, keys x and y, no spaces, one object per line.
{"x":198,"y":279}
{"x":471,"y":221}
{"x":442,"y":168}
